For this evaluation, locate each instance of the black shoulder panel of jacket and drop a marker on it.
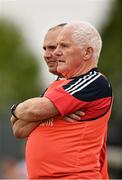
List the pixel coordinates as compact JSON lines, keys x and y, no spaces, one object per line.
{"x":90,"y":87}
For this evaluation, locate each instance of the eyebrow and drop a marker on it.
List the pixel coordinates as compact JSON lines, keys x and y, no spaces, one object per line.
{"x":49,"y":46}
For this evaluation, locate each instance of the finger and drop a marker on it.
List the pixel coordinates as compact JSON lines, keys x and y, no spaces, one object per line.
{"x":80,"y":113}
{"x":68,"y":119}
{"x":13,"y":120}
{"x":74,"y":116}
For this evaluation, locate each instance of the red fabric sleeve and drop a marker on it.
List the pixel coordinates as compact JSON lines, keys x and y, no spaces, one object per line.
{"x":64,"y":102}
{"x":67,"y":104}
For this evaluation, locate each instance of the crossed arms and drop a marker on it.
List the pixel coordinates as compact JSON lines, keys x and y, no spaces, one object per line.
{"x":32,"y":112}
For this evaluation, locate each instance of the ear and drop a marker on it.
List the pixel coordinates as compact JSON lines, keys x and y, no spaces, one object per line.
{"x":88,"y":53}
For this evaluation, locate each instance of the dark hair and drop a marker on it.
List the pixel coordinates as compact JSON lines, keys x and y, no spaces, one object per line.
{"x":59,"y":25}
{"x":62,"y":24}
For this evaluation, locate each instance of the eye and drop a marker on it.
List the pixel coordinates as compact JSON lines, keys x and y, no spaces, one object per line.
{"x":64,"y":45}
{"x":52,"y":47}
{"x":44,"y":48}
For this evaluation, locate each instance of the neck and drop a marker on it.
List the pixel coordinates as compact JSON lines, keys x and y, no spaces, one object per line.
{"x":81,"y":70}
{"x":85,"y":70}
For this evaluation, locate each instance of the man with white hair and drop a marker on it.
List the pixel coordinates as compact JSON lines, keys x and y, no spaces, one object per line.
{"x":22,"y":129}
{"x":70,"y":150}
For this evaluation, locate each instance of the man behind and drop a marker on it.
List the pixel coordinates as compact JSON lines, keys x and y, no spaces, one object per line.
{"x":49,"y":45}
{"x":22,"y":129}
{"x":78,"y":144}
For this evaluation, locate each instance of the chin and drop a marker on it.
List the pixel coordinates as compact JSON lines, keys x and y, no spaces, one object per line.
{"x":53,"y":71}
{"x":61,"y":69}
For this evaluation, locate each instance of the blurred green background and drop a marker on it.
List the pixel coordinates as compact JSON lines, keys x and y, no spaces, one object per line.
{"x":19,"y":80}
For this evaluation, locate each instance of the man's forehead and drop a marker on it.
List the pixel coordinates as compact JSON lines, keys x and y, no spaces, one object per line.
{"x":49,"y":43}
{"x":64,"y":35}
{"x":55,"y":31}
{"x":50,"y":39}
{"x":52,"y":35}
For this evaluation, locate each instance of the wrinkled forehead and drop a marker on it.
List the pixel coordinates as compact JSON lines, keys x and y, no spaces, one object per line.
{"x":53,"y":32}
{"x":51,"y":36}
{"x":65,"y":34}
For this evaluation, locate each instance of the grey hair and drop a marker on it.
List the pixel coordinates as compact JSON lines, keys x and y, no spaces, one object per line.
{"x":86,"y":35}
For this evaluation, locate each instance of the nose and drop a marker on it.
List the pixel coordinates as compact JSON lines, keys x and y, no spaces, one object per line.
{"x":57,"y":52}
{"x":47,"y":54}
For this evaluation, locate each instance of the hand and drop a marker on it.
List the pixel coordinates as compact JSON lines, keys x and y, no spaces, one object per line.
{"x":13,"y":120}
{"x":22,"y":129}
{"x":74,"y":116}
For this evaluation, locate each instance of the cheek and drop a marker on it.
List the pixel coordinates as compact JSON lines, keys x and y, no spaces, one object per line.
{"x":75,"y":58}
{"x":71,"y":60}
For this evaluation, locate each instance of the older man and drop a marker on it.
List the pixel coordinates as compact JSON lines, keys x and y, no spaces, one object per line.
{"x":70,"y":150}
{"x":22,"y":129}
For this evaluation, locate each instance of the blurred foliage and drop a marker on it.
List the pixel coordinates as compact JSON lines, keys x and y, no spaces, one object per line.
{"x":19,"y":80}
{"x":110,"y":64}
{"x":18,"y":67}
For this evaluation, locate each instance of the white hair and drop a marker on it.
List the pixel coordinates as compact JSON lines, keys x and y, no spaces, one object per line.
{"x":86,"y":35}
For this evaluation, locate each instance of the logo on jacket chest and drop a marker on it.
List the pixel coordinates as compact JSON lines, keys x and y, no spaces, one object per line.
{"x":48,"y":122}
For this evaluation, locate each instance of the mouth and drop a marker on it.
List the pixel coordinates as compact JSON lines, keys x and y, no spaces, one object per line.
{"x":60,"y":61}
{"x":51,"y":62}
